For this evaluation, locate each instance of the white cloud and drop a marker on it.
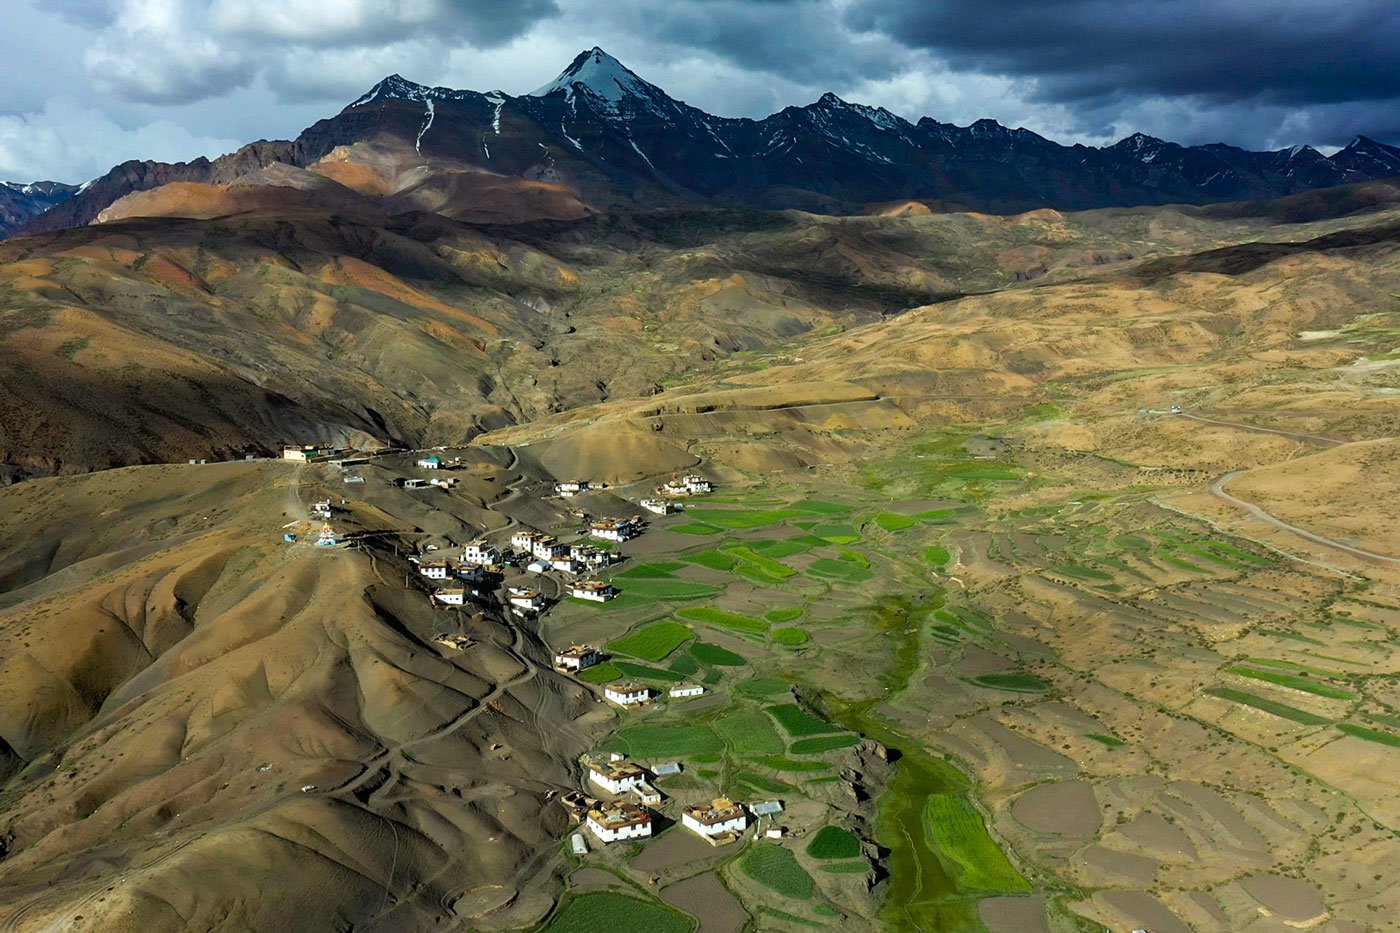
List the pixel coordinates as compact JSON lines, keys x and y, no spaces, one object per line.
{"x":72,"y":142}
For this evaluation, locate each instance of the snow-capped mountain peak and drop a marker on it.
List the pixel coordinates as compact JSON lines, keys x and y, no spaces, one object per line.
{"x":600,"y":74}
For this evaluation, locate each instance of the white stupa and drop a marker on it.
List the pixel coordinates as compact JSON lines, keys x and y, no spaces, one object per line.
{"x":327,"y":537}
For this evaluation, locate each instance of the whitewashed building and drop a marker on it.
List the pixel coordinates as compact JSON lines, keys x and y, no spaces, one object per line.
{"x":716,"y":818}
{"x":620,"y":529}
{"x":647,"y":795}
{"x":479,"y":552}
{"x":681,"y":691}
{"x":451,"y":595}
{"x":616,"y":777}
{"x":593,"y":591}
{"x":571,"y":488}
{"x":660,"y":506}
{"x":525,"y":599}
{"x":435,"y":569}
{"x":695,"y":484}
{"x":619,"y":822}
{"x":577,"y":658}
{"x":430,"y":463}
{"x":627,"y":693}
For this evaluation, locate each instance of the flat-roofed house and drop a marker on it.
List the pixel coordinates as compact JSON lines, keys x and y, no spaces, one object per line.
{"x":720,"y":817}
{"x":577,"y":658}
{"x":627,"y":693}
{"x":451,"y":595}
{"x":592,"y":590}
{"x":618,"y":822}
{"x":616,"y":777}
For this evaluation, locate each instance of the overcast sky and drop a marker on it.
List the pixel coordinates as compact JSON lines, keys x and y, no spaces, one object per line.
{"x":90,"y":83}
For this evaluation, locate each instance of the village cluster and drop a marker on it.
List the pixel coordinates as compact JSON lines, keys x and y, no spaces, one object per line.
{"x":479,"y":571}
{"x":633,"y":804}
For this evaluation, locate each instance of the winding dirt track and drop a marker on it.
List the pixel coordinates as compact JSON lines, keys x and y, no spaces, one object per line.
{"x":1217,"y":489}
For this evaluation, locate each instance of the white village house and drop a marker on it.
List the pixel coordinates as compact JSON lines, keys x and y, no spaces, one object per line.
{"x":647,"y":795}
{"x":681,"y":691}
{"x":590,"y":556}
{"x":435,"y":569}
{"x":627,"y":693}
{"x":593,"y":591}
{"x":660,"y":506}
{"x":717,"y":818}
{"x":618,"y":529}
{"x":525,"y":599}
{"x":616,"y":777}
{"x":571,"y":488}
{"x":451,"y":595}
{"x":577,"y":658}
{"x":618,"y":822}
{"x":430,"y":463}
{"x":479,"y":552}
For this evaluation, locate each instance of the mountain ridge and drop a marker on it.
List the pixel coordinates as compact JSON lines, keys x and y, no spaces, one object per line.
{"x":619,"y":142}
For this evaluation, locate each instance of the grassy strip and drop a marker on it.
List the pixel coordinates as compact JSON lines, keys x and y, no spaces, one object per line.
{"x":757,"y":563}
{"x":721,"y":619}
{"x":659,"y":571}
{"x":1292,"y":682}
{"x":669,"y":589}
{"x":778,"y":616}
{"x":1268,"y":706}
{"x":1112,"y":741}
{"x":604,"y":673}
{"x":1017,"y":683}
{"x":643,"y":672}
{"x":716,"y":656}
{"x":780,"y":763}
{"x":790,"y":637}
{"x":762,"y":687}
{"x":1370,"y":735}
{"x":891,"y":521}
{"x":715,"y":560}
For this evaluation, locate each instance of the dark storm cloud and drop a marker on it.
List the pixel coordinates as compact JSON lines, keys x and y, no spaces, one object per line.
{"x":1273,"y":51}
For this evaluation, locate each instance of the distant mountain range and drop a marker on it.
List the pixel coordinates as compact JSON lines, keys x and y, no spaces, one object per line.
{"x":20,"y":202}
{"x":614,"y":141}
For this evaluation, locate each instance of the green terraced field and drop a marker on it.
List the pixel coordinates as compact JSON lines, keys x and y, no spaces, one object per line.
{"x":1370,"y":735}
{"x":1268,"y":706}
{"x":1018,"y":683}
{"x":891,"y":521}
{"x":652,"y":642}
{"x":669,"y":741}
{"x":833,"y":842}
{"x":608,"y":911}
{"x":790,"y":637}
{"x":668,"y":589}
{"x":721,"y":619}
{"x":1112,"y":741}
{"x":797,"y":722}
{"x":658,"y":571}
{"x":971,"y":853}
{"x":1291,"y":681}
{"x":780,"y":763}
{"x":604,"y":673}
{"x":778,"y":616}
{"x":762,"y":686}
{"x":643,"y":672}
{"x":837,"y":534}
{"x":777,"y":868}
{"x":750,"y":733}
{"x":715,"y":560}
{"x":716,"y":656}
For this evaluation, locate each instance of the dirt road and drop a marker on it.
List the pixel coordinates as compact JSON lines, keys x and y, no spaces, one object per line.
{"x":1217,"y":489}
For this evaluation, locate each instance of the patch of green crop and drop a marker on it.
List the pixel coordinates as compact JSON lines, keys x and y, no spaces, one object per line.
{"x":787,"y":547}
{"x":1018,"y":683}
{"x":762,"y":687}
{"x":741,"y":519}
{"x":837,"y":533}
{"x":609,"y":911}
{"x":776,"y":867}
{"x":969,"y":850}
{"x":1370,"y":735}
{"x":715,"y":560}
{"x":1112,"y":741}
{"x":891,"y":521}
{"x":750,"y":733}
{"x":674,"y":741}
{"x":833,"y":842}
{"x":716,"y":656}
{"x":797,"y":722}
{"x":790,"y":637}
{"x":846,"y":868}
{"x":643,"y":672}
{"x":752,"y":781}
{"x":1291,"y":681}
{"x":684,"y":664}
{"x":753,"y":564}
{"x":938,"y":556}
{"x":1268,"y":706}
{"x":778,"y":616}
{"x":818,"y":507}
{"x":695,"y":528}
{"x":669,"y":589}
{"x":721,"y":619}
{"x":652,"y":642}
{"x":839,"y":570}
{"x":604,"y":673}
